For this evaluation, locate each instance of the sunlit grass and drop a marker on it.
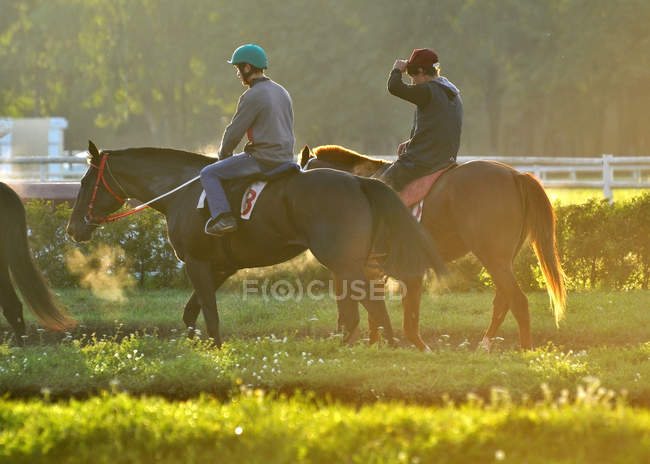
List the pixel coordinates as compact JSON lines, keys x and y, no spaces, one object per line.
{"x":254,"y":428}
{"x":538,"y":406}
{"x":179,"y":368}
{"x":594,"y":318}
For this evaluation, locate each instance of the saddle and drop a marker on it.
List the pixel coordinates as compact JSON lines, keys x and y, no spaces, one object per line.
{"x":415,"y":192}
{"x":243,"y":192}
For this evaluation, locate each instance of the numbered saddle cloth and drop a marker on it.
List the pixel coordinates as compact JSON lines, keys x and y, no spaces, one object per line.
{"x":243,"y":193}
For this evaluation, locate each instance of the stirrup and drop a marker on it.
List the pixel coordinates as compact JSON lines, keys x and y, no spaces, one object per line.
{"x":220,"y":231}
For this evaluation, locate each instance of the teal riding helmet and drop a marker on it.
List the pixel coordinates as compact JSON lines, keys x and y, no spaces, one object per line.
{"x":251,"y":54}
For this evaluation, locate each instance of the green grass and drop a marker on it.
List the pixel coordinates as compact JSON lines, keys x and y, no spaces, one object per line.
{"x":179,"y":368}
{"x":567,"y":196}
{"x":365,"y":404}
{"x":141,"y":343}
{"x":594,"y":319}
{"x":255,"y":429}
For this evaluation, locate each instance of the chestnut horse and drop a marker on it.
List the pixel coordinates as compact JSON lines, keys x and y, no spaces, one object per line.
{"x":483,"y":207}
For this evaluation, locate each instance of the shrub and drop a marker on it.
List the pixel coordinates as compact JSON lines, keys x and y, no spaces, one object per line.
{"x":601,"y":245}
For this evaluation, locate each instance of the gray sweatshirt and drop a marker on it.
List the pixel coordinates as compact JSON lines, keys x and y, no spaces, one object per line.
{"x":265,"y":115}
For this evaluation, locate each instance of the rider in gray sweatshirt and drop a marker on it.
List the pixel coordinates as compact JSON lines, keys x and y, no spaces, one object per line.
{"x":265,"y":115}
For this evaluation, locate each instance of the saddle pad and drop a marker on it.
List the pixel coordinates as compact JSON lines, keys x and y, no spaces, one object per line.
{"x":416,"y":210}
{"x":250,"y":197}
{"x":419,"y":188}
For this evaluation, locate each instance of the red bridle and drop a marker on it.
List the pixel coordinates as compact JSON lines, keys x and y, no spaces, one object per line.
{"x":101,"y":170}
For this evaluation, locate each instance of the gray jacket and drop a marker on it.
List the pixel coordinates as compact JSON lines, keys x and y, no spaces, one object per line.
{"x":265,"y":114}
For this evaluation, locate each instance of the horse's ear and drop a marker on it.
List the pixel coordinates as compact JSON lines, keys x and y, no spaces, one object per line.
{"x":306,"y":154}
{"x":92,"y":149}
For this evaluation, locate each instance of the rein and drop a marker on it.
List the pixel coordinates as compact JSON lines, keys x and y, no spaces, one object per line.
{"x":101,"y":169}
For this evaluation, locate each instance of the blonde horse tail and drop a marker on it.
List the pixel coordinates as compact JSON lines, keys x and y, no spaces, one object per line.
{"x":540,"y":228}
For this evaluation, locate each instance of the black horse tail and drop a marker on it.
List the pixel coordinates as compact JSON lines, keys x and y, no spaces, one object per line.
{"x":540,"y":227}
{"x":410,"y":249}
{"x":28,"y":279}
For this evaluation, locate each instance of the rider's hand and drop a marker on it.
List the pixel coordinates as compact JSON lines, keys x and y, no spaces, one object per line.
{"x":401,"y":65}
{"x":402,"y":146}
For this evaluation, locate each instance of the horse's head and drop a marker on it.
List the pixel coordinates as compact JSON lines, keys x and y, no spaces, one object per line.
{"x":341,"y":159}
{"x":99,"y":196}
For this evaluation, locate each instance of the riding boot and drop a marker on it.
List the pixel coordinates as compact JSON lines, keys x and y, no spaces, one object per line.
{"x":221,"y":225}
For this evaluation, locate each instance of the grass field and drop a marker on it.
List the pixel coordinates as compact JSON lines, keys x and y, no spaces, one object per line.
{"x":594,"y":319}
{"x":581,"y":396}
{"x":282,"y":346}
{"x":255,"y":429}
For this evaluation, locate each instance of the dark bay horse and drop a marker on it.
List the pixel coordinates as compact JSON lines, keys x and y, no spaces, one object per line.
{"x":335,"y":215}
{"x":16,"y":261}
{"x":483,"y":207}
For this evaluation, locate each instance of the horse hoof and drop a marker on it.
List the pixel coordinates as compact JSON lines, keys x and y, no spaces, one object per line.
{"x":420,"y":345}
{"x":353,"y":337}
{"x":484,"y":345}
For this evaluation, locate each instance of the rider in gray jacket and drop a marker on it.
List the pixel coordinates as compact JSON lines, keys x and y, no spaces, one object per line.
{"x":265,"y":115}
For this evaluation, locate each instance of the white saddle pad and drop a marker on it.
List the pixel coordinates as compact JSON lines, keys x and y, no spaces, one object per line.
{"x":248,"y":201}
{"x":416,"y":210}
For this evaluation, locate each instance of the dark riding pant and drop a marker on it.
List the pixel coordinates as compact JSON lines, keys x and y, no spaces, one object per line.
{"x":233,"y":167}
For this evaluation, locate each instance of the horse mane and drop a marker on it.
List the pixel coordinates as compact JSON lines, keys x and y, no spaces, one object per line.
{"x":186,"y":157}
{"x":336,"y":154}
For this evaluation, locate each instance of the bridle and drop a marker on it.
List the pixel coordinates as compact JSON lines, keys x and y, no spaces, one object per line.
{"x":102,"y":169}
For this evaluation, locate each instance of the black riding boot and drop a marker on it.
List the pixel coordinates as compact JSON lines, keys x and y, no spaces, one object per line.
{"x":221,"y":225}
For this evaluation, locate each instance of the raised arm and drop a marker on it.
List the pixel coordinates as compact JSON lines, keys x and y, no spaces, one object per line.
{"x":416,"y":94}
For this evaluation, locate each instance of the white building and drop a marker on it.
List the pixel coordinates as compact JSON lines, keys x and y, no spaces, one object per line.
{"x":31,"y":137}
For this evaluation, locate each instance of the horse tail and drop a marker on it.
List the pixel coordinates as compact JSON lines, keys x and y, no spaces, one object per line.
{"x":540,"y":227}
{"x":410,"y":250}
{"x":26,"y":276}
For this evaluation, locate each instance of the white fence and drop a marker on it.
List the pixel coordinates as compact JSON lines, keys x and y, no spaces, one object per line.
{"x":606,"y":172}
{"x":43,"y":169}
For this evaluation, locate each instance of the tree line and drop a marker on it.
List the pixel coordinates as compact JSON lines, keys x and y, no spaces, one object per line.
{"x":556,"y":77}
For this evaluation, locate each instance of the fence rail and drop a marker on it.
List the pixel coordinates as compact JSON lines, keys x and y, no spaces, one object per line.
{"x":606,"y":172}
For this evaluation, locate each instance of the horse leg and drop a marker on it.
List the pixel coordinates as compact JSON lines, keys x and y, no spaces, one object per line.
{"x":348,"y":312}
{"x":499,"y":311}
{"x":356,"y":290}
{"x":11,"y":305}
{"x":193,"y":306}
{"x":191,"y":314}
{"x":200,"y":274}
{"x":378,"y":319}
{"x":411,"y":298}
{"x":509,"y":294}
{"x":376,"y":291}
